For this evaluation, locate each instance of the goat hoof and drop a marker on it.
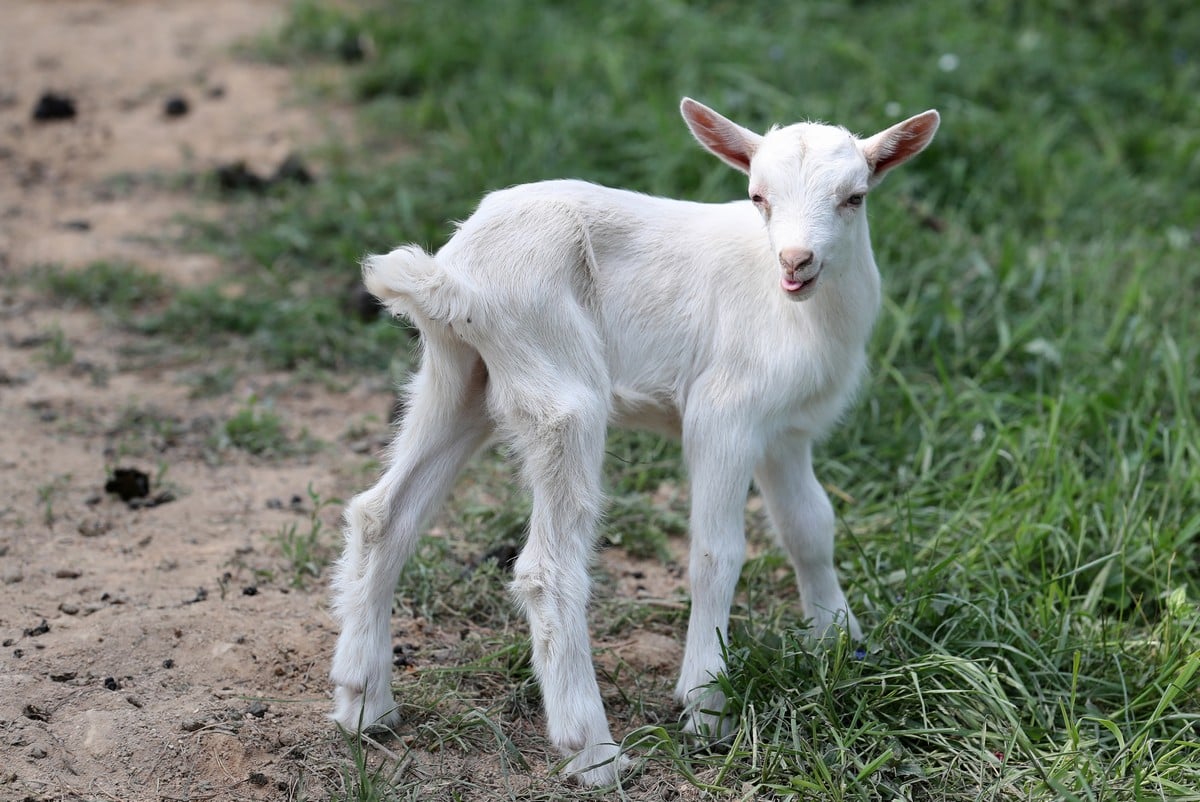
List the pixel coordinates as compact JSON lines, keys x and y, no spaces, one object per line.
{"x":598,"y":765}
{"x":357,"y":712}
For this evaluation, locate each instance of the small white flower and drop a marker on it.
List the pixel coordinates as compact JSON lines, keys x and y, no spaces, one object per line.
{"x":948,"y":62}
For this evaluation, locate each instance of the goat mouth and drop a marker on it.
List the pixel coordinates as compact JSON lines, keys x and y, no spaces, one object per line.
{"x":799,"y":288}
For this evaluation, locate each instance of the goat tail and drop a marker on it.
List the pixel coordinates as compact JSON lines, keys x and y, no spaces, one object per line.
{"x":410,"y":282}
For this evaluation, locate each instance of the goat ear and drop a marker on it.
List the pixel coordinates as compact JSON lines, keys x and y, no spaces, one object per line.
{"x":896,"y":145}
{"x":726,"y":140}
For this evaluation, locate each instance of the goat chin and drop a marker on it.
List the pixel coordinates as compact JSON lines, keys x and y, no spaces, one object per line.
{"x":561,"y":307}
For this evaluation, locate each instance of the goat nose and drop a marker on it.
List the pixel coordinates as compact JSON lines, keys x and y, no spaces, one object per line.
{"x":795,"y":258}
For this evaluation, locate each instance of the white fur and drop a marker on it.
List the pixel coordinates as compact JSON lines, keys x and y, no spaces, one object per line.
{"x":562,"y":307}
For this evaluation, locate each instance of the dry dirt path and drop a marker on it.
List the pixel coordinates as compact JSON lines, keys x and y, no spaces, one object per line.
{"x":136,"y":664}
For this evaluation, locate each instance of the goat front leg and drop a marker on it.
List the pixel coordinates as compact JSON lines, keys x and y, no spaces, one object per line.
{"x":804,"y":521}
{"x":446,"y":423}
{"x":719,"y":473}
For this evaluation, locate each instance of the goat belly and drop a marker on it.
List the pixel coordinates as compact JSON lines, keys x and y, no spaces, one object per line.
{"x":636,"y":410}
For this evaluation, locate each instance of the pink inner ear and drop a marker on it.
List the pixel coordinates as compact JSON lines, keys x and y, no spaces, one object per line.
{"x":901,"y":142}
{"x":719,"y":135}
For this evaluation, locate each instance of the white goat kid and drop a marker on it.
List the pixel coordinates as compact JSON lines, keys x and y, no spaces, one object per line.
{"x":562,"y":306}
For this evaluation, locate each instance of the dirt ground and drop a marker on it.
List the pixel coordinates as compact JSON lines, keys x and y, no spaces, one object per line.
{"x":156,"y":653}
{"x":135,"y":663}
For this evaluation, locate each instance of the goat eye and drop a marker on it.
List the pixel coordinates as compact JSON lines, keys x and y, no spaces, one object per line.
{"x":855,"y":200}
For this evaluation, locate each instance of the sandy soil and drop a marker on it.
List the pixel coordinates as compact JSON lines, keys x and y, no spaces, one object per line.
{"x":160,"y":653}
{"x":135,"y":664}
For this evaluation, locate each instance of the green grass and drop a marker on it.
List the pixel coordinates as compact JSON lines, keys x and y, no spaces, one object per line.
{"x":57,"y":350}
{"x":258,"y":429}
{"x":1018,"y":488}
{"x":275,"y":327}
{"x":308,"y":548}
{"x":114,"y":286}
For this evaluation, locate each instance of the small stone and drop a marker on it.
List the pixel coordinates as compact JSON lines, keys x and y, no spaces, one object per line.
{"x":191,"y":724}
{"x":168,"y":663}
{"x":257,"y":709}
{"x":40,"y":629}
{"x":68,"y":608}
{"x":13,"y":574}
{"x":133,"y":700}
{"x":35,"y":713}
{"x":53,"y":106}
{"x":128,"y":483}
{"x":237,"y":177}
{"x":176,"y":106}
{"x":94,"y":527}
{"x":37,"y":752}
{"x":68,"y":573}
{"x":292,"y":170}
{"x":111,"y":684}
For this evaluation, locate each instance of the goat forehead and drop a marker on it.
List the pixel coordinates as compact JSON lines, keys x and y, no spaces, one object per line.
{"x":810,"y":155}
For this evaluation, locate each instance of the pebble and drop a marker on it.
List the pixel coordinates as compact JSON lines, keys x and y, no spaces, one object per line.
{"x":94,"y":527}
{"x":37,"y":753}
{"x":13,"y":574}
{"x":35,"y":713}
{"x":54,"y":106}
{"x":176,"y":106}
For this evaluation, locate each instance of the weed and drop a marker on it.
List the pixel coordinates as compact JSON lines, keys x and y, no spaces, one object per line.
{"x":47,"y":494}
{"x":211,"y":383}
{"x":147,"y":429}
{"x":307,"y":549}
{"x":258,"y":430}
{"x":274,"y":328}
{"x":57,"y":350}
{"x":115,"y":287}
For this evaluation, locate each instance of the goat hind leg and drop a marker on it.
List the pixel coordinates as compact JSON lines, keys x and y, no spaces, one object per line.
{"x":561,"y":456}
{"x":446,"y":424}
